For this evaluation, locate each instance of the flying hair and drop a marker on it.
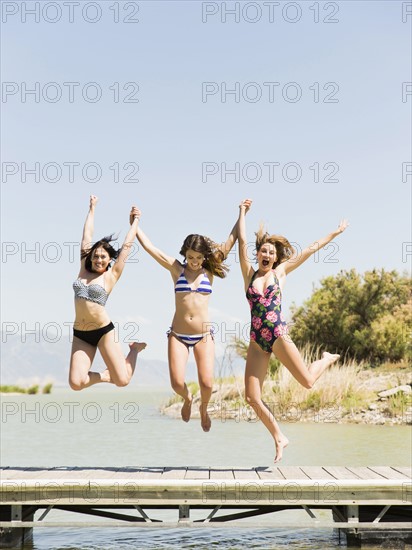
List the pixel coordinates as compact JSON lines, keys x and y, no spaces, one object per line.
{"x":104,"y":243}
{"x":284,"y":250}
{"x":214,"y":257}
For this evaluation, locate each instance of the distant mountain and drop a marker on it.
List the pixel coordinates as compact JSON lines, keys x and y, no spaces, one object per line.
{"x":30,"y":362}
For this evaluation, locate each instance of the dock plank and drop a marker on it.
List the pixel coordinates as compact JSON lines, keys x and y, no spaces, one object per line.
{"x":174,"y":473}
{"x":150,"y":472}
{"x":103,"y":473}
{"x":23,"y":472}
{"x":197,"y":473}
{"x":221,"y":473}
{"x":61,"y":471}
{"x":270,"y":473}
{"x":292,"y":472}
{"x":407,"y":470}
{"x":363,"y":472}
{"x":80,"y":473}
{"x":127,"y":472}
{"x":317,"y":472}
{"x":340,"y":472}
{"x":388,"y":472}
{"x":10,"y":473}
{"x":243,"y":473}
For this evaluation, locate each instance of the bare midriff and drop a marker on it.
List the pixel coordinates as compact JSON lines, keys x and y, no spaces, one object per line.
{"x":89,"y":315}
{"x":192,"y":313}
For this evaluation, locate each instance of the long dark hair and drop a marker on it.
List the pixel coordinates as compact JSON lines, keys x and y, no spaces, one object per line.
{"x":103,"y":243}
{"x":214,"y":258}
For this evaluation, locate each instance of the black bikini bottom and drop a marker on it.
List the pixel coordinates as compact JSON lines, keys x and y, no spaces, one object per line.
{"x":92,"y":337}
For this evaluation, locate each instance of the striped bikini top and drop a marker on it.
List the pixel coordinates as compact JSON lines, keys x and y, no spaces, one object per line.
{"x":183,"y":286}
{"x":92,"y":293}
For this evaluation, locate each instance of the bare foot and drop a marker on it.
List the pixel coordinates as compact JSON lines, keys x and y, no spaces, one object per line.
{"x":281,"y":443}
{"x":330,"y":358}
{"x":186,"y":410}
{"x":318,"y":367}
{"x":205,"y":421}
{"x":105,"y":376}
{"x":139,"y":346}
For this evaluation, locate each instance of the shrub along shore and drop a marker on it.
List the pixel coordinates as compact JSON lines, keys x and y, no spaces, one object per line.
{"x":32,"y":390}
{"x":346,"y":393}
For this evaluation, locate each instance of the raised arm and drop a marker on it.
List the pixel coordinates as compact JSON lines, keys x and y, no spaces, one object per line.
{"x":298,"y":259}
{"x":227,"y":246}
{"x":120,"y":262}
{"x":88,"y":228}
{"x":163,"y":259}
{"x":245,"y":265}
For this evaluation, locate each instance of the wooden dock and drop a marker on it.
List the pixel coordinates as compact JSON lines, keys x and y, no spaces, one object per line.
{"x":367,"y":503}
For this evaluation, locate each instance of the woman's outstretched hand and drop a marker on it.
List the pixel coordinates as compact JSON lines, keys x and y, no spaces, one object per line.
{"x":342,"y":226}
{"x":93,"y":201}
{"x":134,"y":214}
{"x":245,"y":205}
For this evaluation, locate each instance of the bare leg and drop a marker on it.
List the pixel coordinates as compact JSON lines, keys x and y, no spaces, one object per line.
{"x":178,"y":355}
{"x":119,"y":368}
{"x":135,"y":349}
{"x":119,"y":371}
{"x":204,"y":352}
{"x":256,"y":368}
{"x":288,"y":354}
{"x":81,"y":360}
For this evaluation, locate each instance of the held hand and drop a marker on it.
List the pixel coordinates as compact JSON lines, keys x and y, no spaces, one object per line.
{"x":342,"y":226}
{"x":245,"y":205}
{"x":93,"y":201}
{"x":134,"y":214}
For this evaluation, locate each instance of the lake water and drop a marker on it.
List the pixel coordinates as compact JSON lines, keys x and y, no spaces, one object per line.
{"x":123,"y":427}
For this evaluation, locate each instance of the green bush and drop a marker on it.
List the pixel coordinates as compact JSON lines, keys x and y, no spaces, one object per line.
{"x":365,"y":317}
{"x":390,"y":335}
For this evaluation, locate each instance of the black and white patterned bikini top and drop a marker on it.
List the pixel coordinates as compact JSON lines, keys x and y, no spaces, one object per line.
{"x":92,"y":293}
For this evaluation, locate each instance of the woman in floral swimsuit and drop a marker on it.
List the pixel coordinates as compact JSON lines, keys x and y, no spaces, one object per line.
{"x":268,"y":322}
{"x":269,"y":332}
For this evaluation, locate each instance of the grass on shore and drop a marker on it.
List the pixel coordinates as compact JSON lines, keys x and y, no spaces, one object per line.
{"x":32,"y":390}
{"x":12,"y":389}
{"x":345,"y":386}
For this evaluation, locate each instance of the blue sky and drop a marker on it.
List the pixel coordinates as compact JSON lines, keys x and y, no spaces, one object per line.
{"x":351,"y":119}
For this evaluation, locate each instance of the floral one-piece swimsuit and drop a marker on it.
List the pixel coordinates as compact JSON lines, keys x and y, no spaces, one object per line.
{"x":267,"y":323}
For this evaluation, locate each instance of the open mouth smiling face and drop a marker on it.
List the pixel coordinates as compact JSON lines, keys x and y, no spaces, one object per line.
{"x":194,"y":260}
{"x":267,"y":256}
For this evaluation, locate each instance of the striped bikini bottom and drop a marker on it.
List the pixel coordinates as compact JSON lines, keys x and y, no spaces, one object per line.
{"x":190,"y":340}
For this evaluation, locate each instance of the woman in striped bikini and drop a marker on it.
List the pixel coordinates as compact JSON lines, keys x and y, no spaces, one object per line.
{"x":92,"y":328}
{"x":191,"y":327}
